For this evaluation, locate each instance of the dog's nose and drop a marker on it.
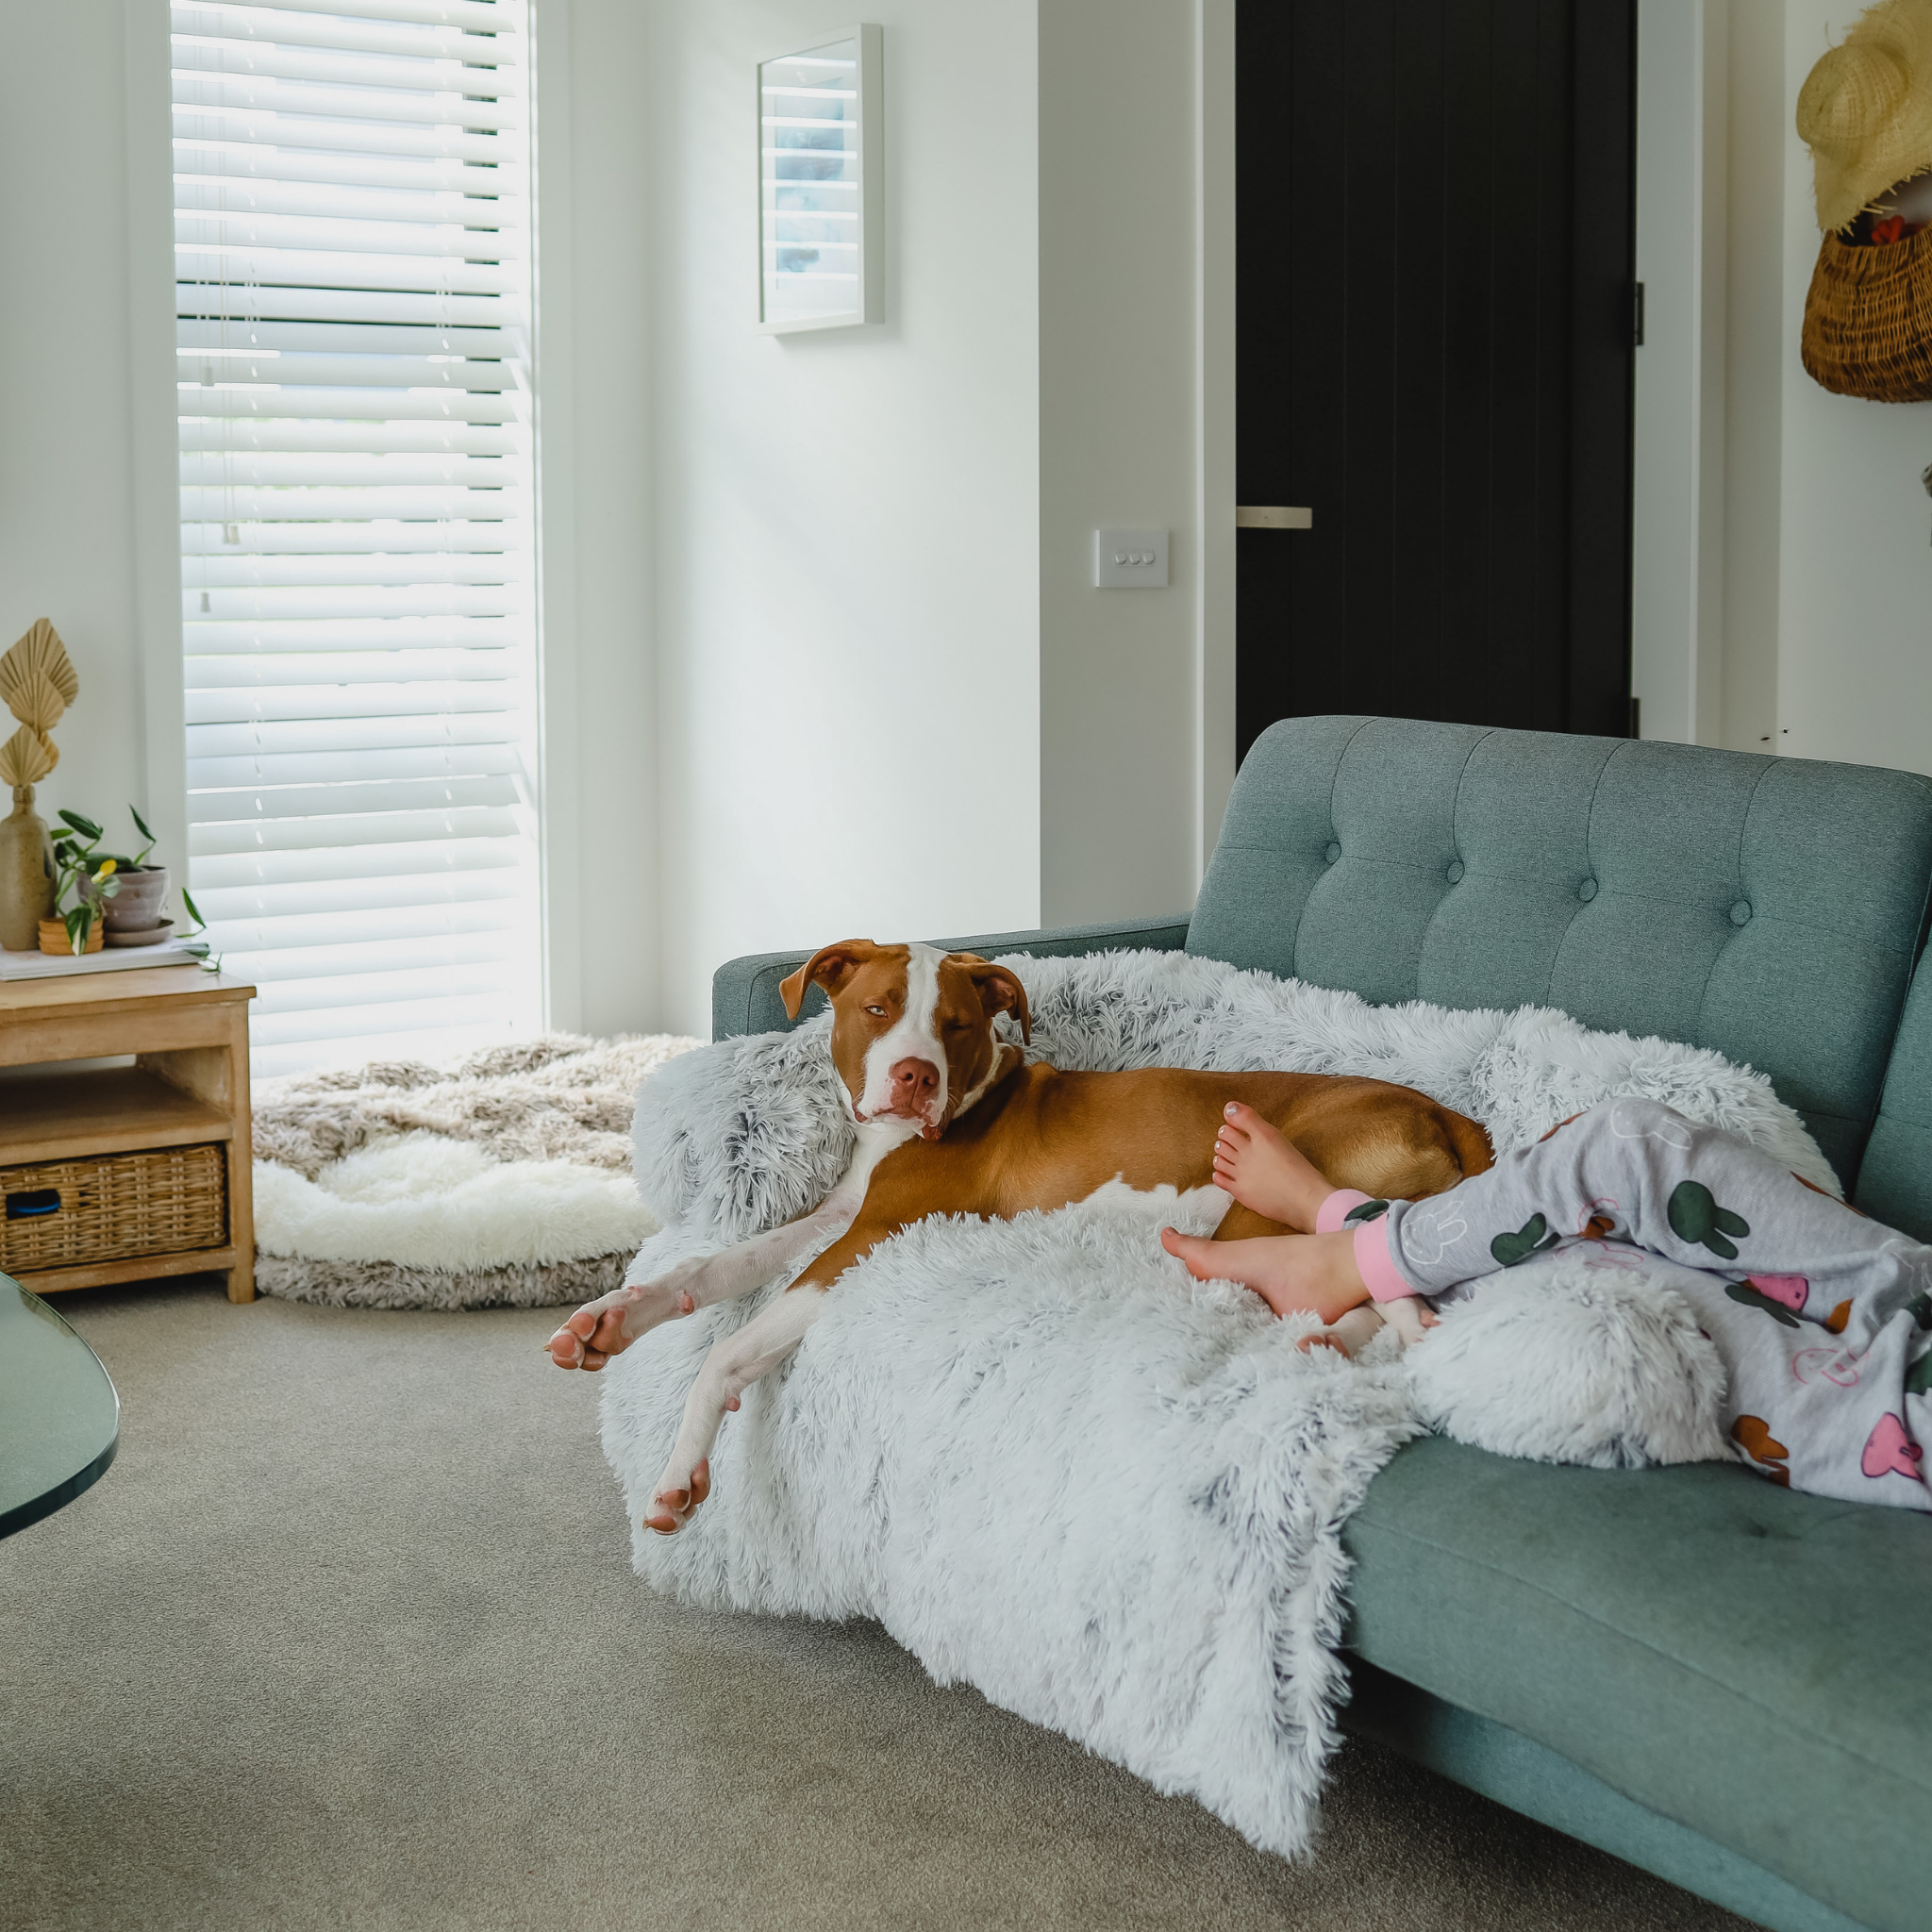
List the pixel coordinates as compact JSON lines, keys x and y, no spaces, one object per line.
{"x":915,"y":1082}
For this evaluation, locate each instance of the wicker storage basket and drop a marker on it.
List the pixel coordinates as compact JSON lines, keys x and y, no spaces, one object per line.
{"x":112,"y":1207}
{"x":1867,"y":319}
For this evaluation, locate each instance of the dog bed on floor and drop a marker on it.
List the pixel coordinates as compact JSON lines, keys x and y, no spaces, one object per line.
{"x":503,"y":1179}
{"x":1056,"y":1467}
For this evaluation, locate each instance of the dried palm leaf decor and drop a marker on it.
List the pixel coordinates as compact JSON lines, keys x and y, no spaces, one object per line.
{"x":37,"y":685}
{"x":38,"y":682}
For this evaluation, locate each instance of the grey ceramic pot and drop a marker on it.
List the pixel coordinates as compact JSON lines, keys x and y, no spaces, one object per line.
{"x":137,"y":907}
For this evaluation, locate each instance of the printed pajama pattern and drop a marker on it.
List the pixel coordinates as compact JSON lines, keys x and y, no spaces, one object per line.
{"x":1824,"y":1317}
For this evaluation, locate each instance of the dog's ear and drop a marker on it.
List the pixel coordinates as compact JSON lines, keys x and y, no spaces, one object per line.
{"x":999,"y":991}
{"x":829,"y":967}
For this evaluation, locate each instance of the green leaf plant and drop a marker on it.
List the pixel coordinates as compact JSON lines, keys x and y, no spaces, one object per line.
{"x":210,"y":959}
{"x":140,"y":827}
{"x":84,"y":874}
{"x":92,"y":877}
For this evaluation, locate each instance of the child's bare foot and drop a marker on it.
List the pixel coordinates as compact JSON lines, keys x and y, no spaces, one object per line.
{"x":1310,"y":1272}
{"x":1264,"y":1170}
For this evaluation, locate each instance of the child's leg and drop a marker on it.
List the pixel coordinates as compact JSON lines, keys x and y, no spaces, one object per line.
{"x":1822,"y":1316}
{"x":1312,"y":1272}
{"x":1264,"y":1170}
{"x":1629,"y":1171}
{"x":1633,"y":1171}
{"x":1812,"y":1409}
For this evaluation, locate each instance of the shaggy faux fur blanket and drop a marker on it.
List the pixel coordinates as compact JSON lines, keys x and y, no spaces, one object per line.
{"x":1058,"y":1469}
{"x":504,"y":1179}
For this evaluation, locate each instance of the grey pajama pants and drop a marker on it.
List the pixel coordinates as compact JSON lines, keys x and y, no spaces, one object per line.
{"x":1824,"y":1317}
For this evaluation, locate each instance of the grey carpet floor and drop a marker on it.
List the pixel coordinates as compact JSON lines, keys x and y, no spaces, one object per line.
{"x":348,"y":1636}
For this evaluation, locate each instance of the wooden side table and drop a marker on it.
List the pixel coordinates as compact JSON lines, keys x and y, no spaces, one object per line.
{"x":187,"y":1030}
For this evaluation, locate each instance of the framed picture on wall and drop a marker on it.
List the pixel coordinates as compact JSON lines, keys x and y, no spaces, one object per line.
{"x":819,"y":239}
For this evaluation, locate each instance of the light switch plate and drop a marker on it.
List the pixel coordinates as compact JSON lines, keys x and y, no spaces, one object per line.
{"x":1130,"y":559}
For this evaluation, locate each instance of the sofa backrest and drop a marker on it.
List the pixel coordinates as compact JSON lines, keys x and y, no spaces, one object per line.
{"x":1769,"y":908}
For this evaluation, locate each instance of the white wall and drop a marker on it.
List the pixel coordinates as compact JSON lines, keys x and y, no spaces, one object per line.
{"x":1854,"y":631}
{"x":1817,"y":641}
{"x":67,"y":522}
{"x":601,"y":790}
{"x":1751,"y":245}
{"x":846,"y":535}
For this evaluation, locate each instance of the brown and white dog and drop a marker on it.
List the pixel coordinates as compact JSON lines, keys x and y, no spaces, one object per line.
{"x":953,"y":1121}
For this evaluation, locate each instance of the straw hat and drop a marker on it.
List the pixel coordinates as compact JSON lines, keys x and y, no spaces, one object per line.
{"x":1865,"y":110}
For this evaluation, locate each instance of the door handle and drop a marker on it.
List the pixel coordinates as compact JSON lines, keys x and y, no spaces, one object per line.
{"x":1272,"y":516}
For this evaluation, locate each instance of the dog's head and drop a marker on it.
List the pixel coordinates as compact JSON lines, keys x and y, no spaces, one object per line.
{"x":912,"y":1033}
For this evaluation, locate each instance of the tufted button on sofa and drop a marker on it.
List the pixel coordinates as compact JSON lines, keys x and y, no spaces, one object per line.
{"x":1689,"y":1667}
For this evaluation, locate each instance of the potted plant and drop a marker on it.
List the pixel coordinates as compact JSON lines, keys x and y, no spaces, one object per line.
{"x":81,"y":871}
{"x":115,"y":898}
{"x":137,"y":907}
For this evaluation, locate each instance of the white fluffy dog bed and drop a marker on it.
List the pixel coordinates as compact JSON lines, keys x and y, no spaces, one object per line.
{"x":504,"y":1179}
{"x":1058,"y":1468}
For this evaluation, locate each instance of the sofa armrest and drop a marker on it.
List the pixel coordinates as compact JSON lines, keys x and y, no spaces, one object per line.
{"x":745,"y":991}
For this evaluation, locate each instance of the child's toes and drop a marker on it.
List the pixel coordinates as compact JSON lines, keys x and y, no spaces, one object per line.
{"x":1193,"y":1253}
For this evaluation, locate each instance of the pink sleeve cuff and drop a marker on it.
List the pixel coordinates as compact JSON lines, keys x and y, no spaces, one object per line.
{"x":1372,"y":1260}
{"x":1332,"y":1214}
{"x":1378,"y":1273}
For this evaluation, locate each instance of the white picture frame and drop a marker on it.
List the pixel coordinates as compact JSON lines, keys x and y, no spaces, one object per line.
{"x":820,"y":120}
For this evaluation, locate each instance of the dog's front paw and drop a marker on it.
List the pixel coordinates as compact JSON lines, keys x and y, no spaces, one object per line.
{"x":1350,"y":1333}
{"x":1409,"y":1316}
{"x":679,"y":1492}
{"x":610,"y":1325}
{"x":595,"y":1332}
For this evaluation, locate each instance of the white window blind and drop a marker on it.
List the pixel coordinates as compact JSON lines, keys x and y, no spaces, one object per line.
{"x":353,"y":238}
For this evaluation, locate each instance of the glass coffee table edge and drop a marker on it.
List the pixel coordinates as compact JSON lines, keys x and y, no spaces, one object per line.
{"x":23,"y":1515}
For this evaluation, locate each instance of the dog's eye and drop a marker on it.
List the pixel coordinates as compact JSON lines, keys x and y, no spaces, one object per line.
{"x":879,"y":1011}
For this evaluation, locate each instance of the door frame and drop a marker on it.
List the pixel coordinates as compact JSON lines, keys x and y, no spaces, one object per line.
{"x":1677,"y":483}
{"x":1214,"y":413}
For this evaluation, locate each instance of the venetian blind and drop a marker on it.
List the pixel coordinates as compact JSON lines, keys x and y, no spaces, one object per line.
{"x":353,"y":237}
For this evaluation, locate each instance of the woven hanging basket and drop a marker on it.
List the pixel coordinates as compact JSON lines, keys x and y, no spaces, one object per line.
{"x":1867,"y":319}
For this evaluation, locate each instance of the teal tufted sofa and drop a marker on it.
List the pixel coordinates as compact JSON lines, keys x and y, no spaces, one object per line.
{"x":1689,"y":1667}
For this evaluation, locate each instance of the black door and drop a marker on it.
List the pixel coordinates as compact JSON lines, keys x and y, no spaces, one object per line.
{"x":1436,"y":322}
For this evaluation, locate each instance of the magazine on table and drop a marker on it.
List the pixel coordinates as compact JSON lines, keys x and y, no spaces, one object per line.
{"x":59,"y":965}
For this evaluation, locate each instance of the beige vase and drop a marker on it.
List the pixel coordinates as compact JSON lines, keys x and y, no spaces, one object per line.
{"x":27,"y":873}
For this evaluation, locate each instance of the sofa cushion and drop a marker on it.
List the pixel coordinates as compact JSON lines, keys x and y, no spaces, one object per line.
{"x":1769,"y":908}
{"x":1741,"y":1659}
